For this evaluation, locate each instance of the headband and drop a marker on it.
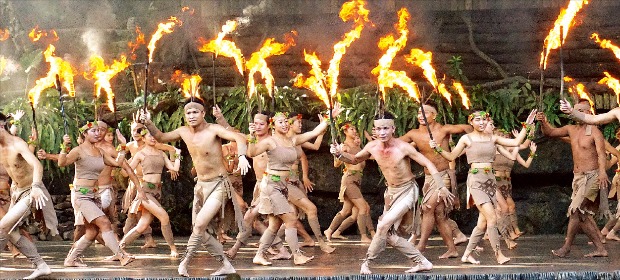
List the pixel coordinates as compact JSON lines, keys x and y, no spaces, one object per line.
{"x":262,"y":117}
{"x":384,"y":122}
{"x":194,"y":105}
{"x":292,"y":119}
{"x":481,"y":114}
{"x":87,"y":126}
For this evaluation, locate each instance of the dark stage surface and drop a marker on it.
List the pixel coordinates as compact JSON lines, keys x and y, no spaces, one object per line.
{"x":532,"y":259}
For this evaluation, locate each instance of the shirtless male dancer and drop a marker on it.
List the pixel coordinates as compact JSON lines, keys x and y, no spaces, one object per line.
{"x":392,"y":156}
{"x":589,"y":160}
{"x":204,"y":142}
{"x":434,"y":211}
{"x":27,"y":174}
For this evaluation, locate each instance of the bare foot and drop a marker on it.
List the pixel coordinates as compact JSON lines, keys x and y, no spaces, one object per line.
{"x":112,"y":258}
{"x":232,"y":252}
{"x":365,"y":239}
{"x":226,"y":268}
{"x":41,"y":270}
{"x":425,"y":265}
{"x":469,"y":259}
{"x":283,"y":254}
{"x":560,"y":252}
{"x":260,"y":259}
{"x":612,"y":236}
{"x":501,"y":259}
{"x":300,"y":259}
{"x":307,"y":243}
{"x":326,"y":248}
{"x":174,"y":254}
{"x":337,"y":235}
{"x":449,"y":254}
{"x":365,"y":269}
{"x":182,"y":270}
{"x":149,"y":243}
{"x":597,"y":253}
{"x":511,"y":244}
{"x":461,"y":238}
{"x":605,"y":231}
{"x":328,"y":235}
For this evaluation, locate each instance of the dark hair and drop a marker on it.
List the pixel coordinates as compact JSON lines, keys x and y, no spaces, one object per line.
{"x":386,"y":115}
{"x":139,"y":130}
{"x":266,"y":113}
{"x":194,"y":100}
{"x":293,"y":114}
{"x":582,"y":100}
{"x":3,"y":117}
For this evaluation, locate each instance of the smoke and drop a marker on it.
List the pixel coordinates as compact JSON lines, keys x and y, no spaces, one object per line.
{"x":93,"y":39}
{"x":251,"y":11}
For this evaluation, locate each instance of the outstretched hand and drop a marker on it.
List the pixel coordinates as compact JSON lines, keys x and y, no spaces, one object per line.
{"x":18,"y":115}
{"x":335,"y":149}
{"x":144,"y":116}
{"x":565,"y":106}
{"x":217,"y":112}
{"x":337,"y":109}
{"x":445,"y":195}
{"x":531,"y":117}
{"x":244,"y":165}
{"x":38,"y":197}
{"x":121,"y":139}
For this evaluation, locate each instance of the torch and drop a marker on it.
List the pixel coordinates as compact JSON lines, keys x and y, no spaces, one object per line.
{"x":146,"y":80}
{"x":213,"y":66}
{"x":62,"y":103}
{"x":424,"y":113}
{"x":380,"y":103}
{"x":248,"y":108}
{"x":562,"y":97}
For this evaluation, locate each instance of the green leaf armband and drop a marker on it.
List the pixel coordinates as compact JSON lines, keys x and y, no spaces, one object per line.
{"x":252,"y":139}
{"x":438,"y":149}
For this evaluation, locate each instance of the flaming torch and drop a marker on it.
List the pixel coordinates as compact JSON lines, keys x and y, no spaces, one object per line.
{"x":423,"y":60}
{"x":556,"y":38}
{"x":162,"y":28}
{"x":612,"y":83}
{"x":189,"y":84}
{"x":386,"y":77}
{"x":227,"y":48}
{"x":326,"y":86}
{"x":579,"y":90}
{"x":257,"y":63}
{"x":606,"y":44}
{"x":102,"y":74}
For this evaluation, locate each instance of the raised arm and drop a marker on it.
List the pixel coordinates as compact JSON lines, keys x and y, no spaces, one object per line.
{"x":177,"y":161}
{"x":156,"y":133}
{"x":548,"y":130}
{"x":313,"y":146}
{"x":305,"y":137}
{"x":604,"y":118}
{"x":457,"y":128}
{"x":456,"y":152}
{"x":364,"y":154}
{"x":530,"y":157}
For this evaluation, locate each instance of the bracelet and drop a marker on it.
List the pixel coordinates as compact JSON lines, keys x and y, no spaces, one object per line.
{"x":252,"y":139}
{"x":65,"y":148}
{"x":532,"y":155}
{"x":121,"y":147}
{"x":33,"y":143}
{"x":438,"y":150}
{"x":16,"y":122}
{"x":176,"y":156}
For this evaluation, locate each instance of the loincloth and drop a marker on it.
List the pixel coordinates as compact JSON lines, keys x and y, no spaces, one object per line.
{"x":481,"y":187}
{"x":585,"y":193}
{"x":431,"y":187}
{"x":274,"y":196}
{"x":403,"y":195}
{"x":237,"y":182}
{"x":48,"y":211}
{"x":88,"y":202}
{"x":152,"y":192}
{"x":296,"y":190}
{"x":350,"y":185}
{"x":221,"y":189}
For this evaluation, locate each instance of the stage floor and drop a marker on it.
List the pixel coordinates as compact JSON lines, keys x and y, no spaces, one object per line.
{"x":532,"y":257}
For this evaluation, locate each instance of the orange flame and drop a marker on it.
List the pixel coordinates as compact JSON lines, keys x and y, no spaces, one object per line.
{"x":102,"y":74}
{"x":189,"y":83}
{"x":464,"y":98}
{"x":257,"y":62}
{"x":321,"y":83}
{"x":386,"y":77}
{"x":57,"y":67}
{"x":606,"y":44}
{"x":316,"y":81}
{"x":353,"y":10}
{"x":580,"y":90}
{"x":565,"y":20}
{"x":222,"y":47}
{"x":613,"y":84}
{"x":423,"y":60}
{"x":37,"y":34}
{"x":4,"y":34}
{"x":186,"y":9}
{"x":161,"y":29}
{"x":135,"y":45}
